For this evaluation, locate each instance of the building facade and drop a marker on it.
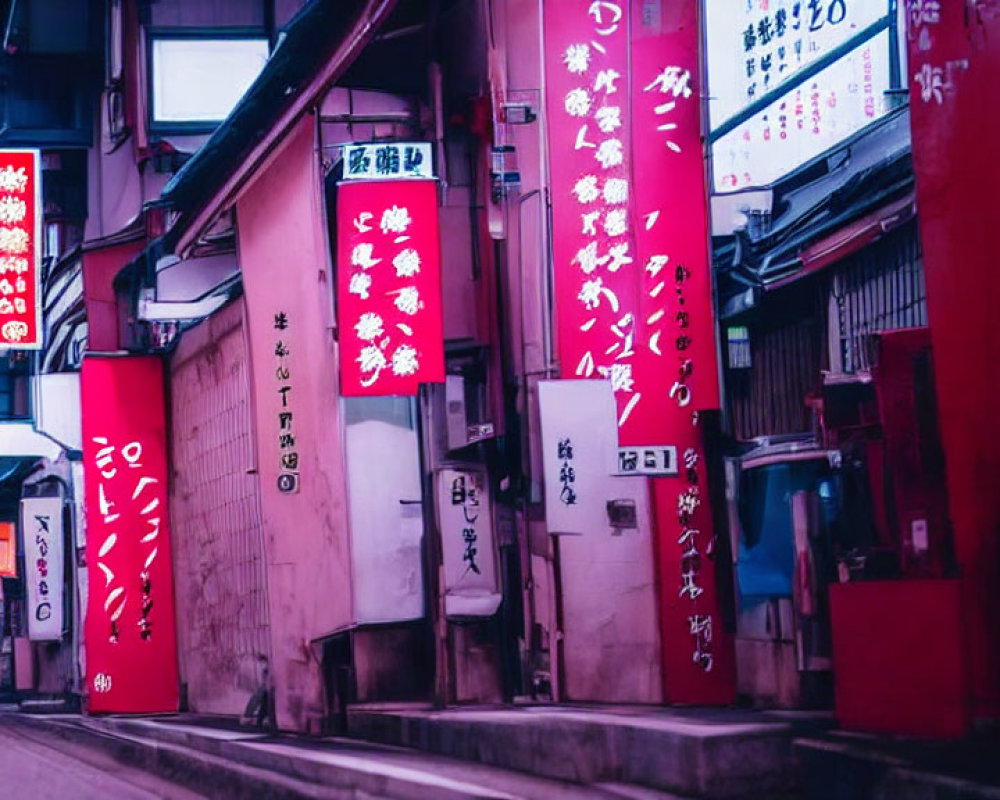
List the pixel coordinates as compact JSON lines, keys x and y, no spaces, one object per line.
{"x":380,"y":368}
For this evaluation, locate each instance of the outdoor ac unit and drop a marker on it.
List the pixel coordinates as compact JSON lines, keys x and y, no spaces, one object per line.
{"x":465,"y":412}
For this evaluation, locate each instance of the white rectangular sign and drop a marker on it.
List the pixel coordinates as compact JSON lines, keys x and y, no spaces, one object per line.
{"x":42,"y":527}
{"x":815,"y":116}
{"x":652,"y":460}
{"x":388,"y":160}
{"x":579,"y":445}
{"x":465,"y":519}
{"x":754,"y":46}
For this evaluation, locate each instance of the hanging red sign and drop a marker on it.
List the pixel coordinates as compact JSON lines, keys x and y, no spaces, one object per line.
{"x":594,"y":232}
{"x":20,"y":234}
{"x":389,"y":287}
{"x":130,"y":630}
{"x":633,"y":279}
{"x":8,"y":550}
{"x":633,"y":284}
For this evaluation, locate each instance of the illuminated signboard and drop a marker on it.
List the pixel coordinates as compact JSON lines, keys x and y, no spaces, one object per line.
{"x":633,"y":284}
{"x":389,"y":287}
{"x":756,"y":45}
{"x":8,"y":550}
{"x":20,"y":227}
{"x":388,"y":161}
{"x":130,"y":627}
{"x":755,"y":48}
{"x":813,"y":117}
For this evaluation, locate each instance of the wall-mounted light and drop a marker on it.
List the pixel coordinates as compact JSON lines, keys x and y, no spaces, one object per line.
{"x":517,"y":114}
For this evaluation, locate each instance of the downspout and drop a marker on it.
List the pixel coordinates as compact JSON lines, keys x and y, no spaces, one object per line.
{"x":436,"y":81}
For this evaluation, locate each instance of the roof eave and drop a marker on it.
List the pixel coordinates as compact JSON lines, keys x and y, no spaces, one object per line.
{"x":196,"y":216}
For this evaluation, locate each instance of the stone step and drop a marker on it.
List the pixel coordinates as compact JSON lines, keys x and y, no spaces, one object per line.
{"x":232,"y":763}
{"x":717,"y":756}
{"x":851,"y":767}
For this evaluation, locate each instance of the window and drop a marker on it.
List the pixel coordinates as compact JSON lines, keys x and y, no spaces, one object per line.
{"x":14,"y":370}
{"x":195,"y":80}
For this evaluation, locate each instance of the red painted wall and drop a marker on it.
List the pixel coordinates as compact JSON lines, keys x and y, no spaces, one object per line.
{"x":954,"y":69}
{"x":874,"y":623}
{"x":99,"y":269}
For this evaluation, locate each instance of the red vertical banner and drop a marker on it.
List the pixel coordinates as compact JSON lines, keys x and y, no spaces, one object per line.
{"x":130,"y":631}
{"x":954,"y":68}
{"x":633,"y":280}
{"x":389,"y":287}
{"x":593,"y":224}
{"x":20,"y":249}
{"x":676,"y":306}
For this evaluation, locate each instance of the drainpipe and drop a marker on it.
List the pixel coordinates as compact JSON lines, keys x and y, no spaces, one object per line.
{"x":437,"y":99}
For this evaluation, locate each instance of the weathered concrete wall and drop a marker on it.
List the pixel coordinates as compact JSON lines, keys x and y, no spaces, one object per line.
{"x":218,"y":548}
{"x":286,"y":270}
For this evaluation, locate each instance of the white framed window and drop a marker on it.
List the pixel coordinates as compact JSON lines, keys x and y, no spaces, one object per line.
{"x":116,"y":41}
{"x":196,"y":80}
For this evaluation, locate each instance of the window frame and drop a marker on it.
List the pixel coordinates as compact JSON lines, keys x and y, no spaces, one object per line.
{"x":153,"y":35}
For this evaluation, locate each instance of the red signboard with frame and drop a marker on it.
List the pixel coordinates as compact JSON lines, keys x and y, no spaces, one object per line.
{"x":389,"y":287}
{"x":633,"y":279}
{"x":20,"y":249}
{"x":130,"y":629}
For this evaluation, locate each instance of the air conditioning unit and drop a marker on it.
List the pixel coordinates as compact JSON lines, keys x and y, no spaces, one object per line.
{"x":466,"y":412}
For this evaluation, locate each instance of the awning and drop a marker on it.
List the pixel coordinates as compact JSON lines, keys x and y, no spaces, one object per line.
{"x":851,"y":238}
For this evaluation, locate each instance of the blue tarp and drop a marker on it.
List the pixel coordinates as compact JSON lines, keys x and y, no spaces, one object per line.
{"x":766,"y":560}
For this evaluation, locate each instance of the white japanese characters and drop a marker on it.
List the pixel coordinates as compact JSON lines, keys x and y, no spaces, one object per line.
{"x":121,"y":491}
{"x":384,"y":316}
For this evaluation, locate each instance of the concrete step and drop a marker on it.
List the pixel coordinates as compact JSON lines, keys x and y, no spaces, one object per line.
{"x":229,"y":763}
{"x":48,"y":705}
{"x":205,"y":776}
{"x":847,"y":766}
{"x":627,"y":791}
{"x":719,"y":756}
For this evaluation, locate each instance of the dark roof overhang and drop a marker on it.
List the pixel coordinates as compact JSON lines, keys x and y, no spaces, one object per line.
{"x":318,"y":44}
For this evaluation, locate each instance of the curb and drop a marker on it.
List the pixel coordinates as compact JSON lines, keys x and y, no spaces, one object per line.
{"x":716,"y":763}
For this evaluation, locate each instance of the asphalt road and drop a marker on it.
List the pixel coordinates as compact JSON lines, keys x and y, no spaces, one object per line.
{"x":36,"y":767}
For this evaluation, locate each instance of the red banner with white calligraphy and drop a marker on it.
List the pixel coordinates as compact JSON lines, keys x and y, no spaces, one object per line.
{"x":389,"y":287}
{"x":20,"y":233}
{"x":633,"y":278}
{"x":130,"y":630}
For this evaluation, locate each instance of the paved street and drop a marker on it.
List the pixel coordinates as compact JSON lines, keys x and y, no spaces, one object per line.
{"x":40,"y":767}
